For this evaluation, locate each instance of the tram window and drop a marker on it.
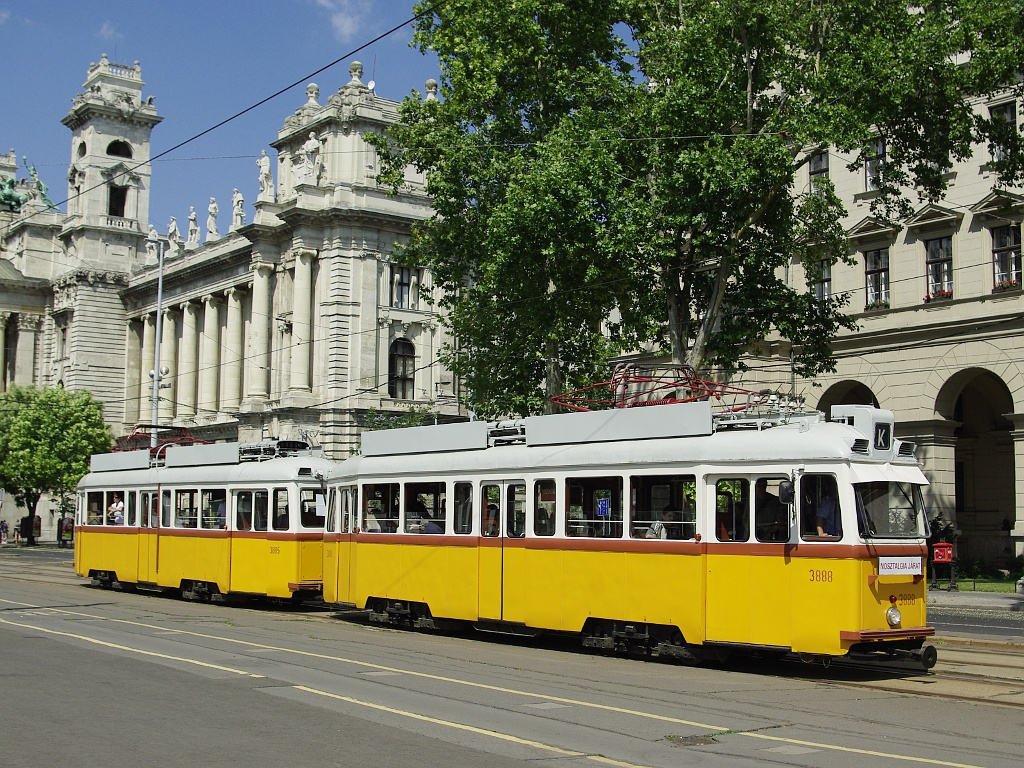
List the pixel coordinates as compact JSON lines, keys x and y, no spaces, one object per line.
{"x":490,"y":510}
{"x":889,"y":509}
{"x":463,"y":508}
{"x":515,"y":510}
{"x":260,"y":506}
{"x":312,"y":508}
{"x":132,"y":510}
{"x":243,"y":511}
{"x":544,"y":508}
{"x":165,"y":509}
{"x":186,"y":509}
{"x":380,"y":508}
{"x":819,"y":507}
{"x":425,"y":507}
{"x":214,"y":508}
{"x":94,"y":515}
{"x":663,"y":507}
{"x":349,"y":506}
{"x":115,"y":508}
{"x":594,"y":507}
{"x":732,"y":509}
{"x":333,"y":504}
{"x":280,"y":516}
{"x":144,"y":509}
{"x":771,"y":516}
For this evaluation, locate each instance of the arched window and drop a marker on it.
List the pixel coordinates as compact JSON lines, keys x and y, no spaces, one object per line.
{"x":401,"y":369}
{"x":81,"y":149}
{"x":120,"y":149}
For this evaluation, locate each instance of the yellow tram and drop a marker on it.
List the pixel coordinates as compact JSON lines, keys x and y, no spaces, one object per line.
{"x":214,"y":521}
{"x":665,"y":530}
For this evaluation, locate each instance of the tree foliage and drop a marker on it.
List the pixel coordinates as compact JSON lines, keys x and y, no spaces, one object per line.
{"x":614,"y":173}
{"x":46,"y":439}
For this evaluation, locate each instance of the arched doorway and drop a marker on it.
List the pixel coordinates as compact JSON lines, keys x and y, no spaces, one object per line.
{"x":976,"y":400}
{"x":846,"y":393}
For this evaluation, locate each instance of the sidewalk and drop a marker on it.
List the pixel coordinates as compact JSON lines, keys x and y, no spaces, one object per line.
{"x":993,"y":601}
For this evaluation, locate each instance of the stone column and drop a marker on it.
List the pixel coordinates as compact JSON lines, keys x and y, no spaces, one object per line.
{"x":210,"y":362}
{"x":25,"y":356}
{"x":186,"y":389}
{"x":4,"y":316}
{"x":258,"y":370}
{"x":145,"y":366}
{"x":1017,"y":528}
{"x":302,"y":338}
{"x":231,"y":357}
{"x":169,"y":359}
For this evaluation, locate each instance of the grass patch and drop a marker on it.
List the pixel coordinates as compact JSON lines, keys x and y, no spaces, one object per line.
{"x":1006,"y":586}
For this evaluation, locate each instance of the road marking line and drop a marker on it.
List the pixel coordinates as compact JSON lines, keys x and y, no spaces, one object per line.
{"x":128,"y":649}
{"x":463,"y":727}
{"x":546,"y":697}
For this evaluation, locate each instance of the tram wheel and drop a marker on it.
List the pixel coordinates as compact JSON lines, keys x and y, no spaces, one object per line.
{"x":929,"y":656}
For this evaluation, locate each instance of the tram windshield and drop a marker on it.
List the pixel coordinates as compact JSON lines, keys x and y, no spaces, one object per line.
{"x":890,"y":510}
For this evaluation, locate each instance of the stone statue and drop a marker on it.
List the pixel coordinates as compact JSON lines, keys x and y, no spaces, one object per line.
{"x":37,"y":190}
{"x":10,"y":197}
{"x":266,"y":178}
{"x":193,"y":226}
{"x":152,"y":243}
{"x":211,"y":221}
{"x":311,"y":154}
{"x":172,"y":231}
{"x":237,"y":210}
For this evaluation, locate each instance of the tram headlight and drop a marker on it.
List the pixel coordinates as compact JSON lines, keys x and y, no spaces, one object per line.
{"x":893,"y":616}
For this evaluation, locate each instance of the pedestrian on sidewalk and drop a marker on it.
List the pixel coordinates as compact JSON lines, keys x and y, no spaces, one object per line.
{"x":3,"y":531}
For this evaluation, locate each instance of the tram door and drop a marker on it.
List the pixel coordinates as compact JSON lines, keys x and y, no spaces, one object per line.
{"x":249,"y":547}
{"x":747,"y":597}
{"x":502,"y":564}
{"x":148,"y":521}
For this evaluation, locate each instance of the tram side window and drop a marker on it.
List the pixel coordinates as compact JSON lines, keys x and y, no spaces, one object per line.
{"x":311,"y":508}
{"x":515,"y":511}
{"x":132,"y":509}
{"x":463,"y":508}
{"x":594,"y":507}
{"x":144,"y":509}
{"x":165,"y":509}
{"x":663,"y":507}
{"x":333,"y":504}
{"x":425,"y":507}
{"x":490,"y":510}
{"x":380,"y":508}
{"x":732,"y":509}
{"x":154,"y":509}
{"x":94,"y":501}
{"x":214,"y":508}
{"x":819,"y":507}
{"x":260,"y":509}
{"x":771,"y":516}
{"x":115,"y":507}
{"x":349,"y":508}
{"x":544,"y":508}
{"x":280,"y":512}
{"x":186,"y":509}
{"x":243,"y":511}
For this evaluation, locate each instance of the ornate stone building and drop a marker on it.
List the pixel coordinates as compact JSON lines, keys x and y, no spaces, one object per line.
{"x":941,"y":338}
{"x":292,"y":325}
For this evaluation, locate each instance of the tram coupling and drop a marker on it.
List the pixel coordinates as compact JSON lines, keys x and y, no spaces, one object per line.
{"x":926,"y":655}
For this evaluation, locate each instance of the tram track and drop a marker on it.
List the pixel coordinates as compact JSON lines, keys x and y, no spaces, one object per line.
{"x":966,"y":673}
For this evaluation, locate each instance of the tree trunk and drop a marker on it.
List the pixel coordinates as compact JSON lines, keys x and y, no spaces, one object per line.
{"x":31,"y":502}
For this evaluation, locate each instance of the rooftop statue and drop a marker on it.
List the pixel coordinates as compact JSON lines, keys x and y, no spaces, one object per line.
{"x":37,"y":184}
{"x":10,"y":197}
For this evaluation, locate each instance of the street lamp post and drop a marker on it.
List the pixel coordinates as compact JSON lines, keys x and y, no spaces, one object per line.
{"x":157,"y":373}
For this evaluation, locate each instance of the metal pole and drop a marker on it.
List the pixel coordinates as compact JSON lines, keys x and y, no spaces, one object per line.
{"x":155,"y":374}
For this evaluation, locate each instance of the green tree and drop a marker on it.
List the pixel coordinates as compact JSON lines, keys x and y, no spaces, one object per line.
{"x":648,"y":182}
{"x":46,"y":439}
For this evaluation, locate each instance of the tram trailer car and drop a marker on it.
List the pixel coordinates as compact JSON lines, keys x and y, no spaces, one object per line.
{"x":217,"y":521}
{"x":663,"y":530}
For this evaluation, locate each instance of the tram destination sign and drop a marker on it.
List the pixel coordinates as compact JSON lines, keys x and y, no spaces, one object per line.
{"x":900,"y":566}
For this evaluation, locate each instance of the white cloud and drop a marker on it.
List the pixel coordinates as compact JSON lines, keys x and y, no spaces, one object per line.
{"x":4,"y":16}
{"x":348,"y":17}
{"x":107,"y":32}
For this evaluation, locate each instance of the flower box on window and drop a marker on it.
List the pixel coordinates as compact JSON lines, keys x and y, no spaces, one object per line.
{"x":1007,"y":285}
{"x":876,"y":305}
{"x":937,"y":296}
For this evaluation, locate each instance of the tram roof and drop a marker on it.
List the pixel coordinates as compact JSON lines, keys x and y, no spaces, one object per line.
{"x":796,"y":442}
{"x":257,"y":473}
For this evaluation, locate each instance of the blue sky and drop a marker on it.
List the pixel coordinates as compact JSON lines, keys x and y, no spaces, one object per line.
{"x":202,"y":61}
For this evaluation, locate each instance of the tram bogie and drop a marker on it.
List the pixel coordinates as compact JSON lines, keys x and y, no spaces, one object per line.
{"x":655,"y":531}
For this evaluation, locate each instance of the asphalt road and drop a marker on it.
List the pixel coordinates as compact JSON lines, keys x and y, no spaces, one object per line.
{"x":102,"y":678}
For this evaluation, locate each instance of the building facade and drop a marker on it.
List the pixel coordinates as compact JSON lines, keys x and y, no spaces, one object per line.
{"x":940,"y":341}
{"x":283,"y":319}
